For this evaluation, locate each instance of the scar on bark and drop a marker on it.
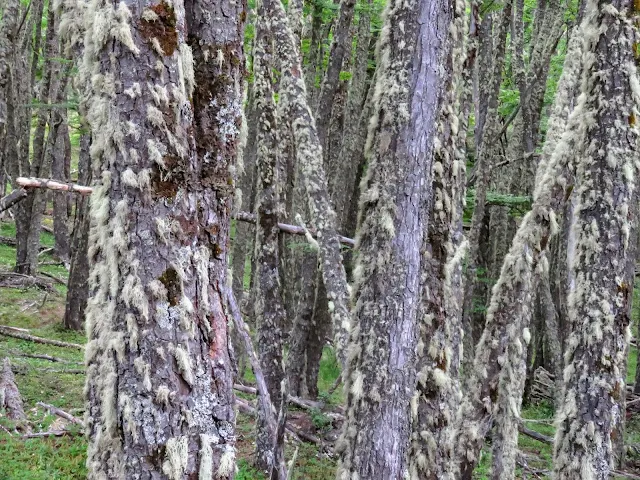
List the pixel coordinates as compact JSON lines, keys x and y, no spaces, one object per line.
{"x":163,"y":28}
{"x":171,"y":282}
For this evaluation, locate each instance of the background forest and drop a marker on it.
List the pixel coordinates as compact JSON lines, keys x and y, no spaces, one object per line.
{"x":374,"y":239}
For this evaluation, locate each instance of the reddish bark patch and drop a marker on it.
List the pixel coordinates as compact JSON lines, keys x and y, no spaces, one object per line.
{"x":164,"y":28}
{"x":165,"y":183}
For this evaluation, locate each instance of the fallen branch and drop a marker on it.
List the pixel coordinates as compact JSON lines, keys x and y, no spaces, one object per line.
{"x":264,"y":399}
{"x":53,"y":277}
{"x":247,"y":408}
{"x":303,"y":403}
{"x":18,"y":280}
{"x":52,"y":433}
{"x":293,"y":229}
{"x":44,"y":357}
{"x":53,"y":185}
{"x":10,"y":200}
{"x":9,"y":332}
{"x":535,"y":435}
{"x":625,"y":474}
{"x":61,"y":413}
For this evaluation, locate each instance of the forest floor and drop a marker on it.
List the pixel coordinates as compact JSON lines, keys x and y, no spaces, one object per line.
{"x":61,"y":384}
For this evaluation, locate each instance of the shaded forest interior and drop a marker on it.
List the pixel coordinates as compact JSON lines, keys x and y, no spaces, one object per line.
{"x":361,"y":239}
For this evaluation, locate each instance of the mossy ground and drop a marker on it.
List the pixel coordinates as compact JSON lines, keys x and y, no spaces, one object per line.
{"x":64,"y":457}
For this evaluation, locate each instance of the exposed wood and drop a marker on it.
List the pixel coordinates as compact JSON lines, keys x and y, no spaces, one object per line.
{"x":9,"y":332}
{"x":61,"y":413}
{"x":293,"y":229}
{"x":52,"y":433}
{"x":53,"y":185}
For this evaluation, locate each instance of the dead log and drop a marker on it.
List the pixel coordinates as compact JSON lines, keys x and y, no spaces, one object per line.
{"x":18,"y":280}
{"x":10,"y":200}
{"x":10,"y":399}
{"x":9,"y":332}
{"x":303,"y":403}
{"x":61,"y":413}
{"x":535,"y":435}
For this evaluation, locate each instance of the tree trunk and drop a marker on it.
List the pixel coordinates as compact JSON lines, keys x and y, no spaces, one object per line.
{"x":595,"y":386}
{"x":340,"y":48}
{"x":396,"y":192}
{"x":60,"y":171}
{"x":159,"y":377}
{"x":439,"y":349}
{"x":77,"y":285}
{"x":507,"y":316}
{"x":267,"y":296}
{"x":309,"y":155}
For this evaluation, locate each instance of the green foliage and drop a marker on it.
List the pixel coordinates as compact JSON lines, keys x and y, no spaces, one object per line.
{"x":319,"y":419}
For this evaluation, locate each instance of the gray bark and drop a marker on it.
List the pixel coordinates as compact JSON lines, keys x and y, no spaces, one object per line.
{"x":507,"y":316}
{"x":159,"y":377}
{"x":595,"y":386}
{"x":267,"y":296}
{"x":439,"y":348}
{"x":340,"y":48}
{"x":394,"y":212}
{"x":60,"y":171}
{"x":77,"y":285}
{"x":309,"y":155}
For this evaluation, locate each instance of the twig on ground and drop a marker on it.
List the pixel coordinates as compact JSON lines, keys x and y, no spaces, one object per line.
{"x":535,"y":435}
{"x":56,"y":279}
{"x":9,"y":332}
{"x":43,"y":357}
{"x":61,"y":413}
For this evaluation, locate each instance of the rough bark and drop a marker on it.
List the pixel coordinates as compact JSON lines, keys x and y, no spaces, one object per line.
{"x":245,"y":195}
{"x":595,"y":388}
{"x":10,"y":399}
{"x":77,"y":285}
{"x":159,"y":378}
{"x":309,"y":155}
{"x":60,"y":170}
{"x":507,"y":316}
{"x":482,"y":168}
{"x":439,"y":348}
{"x":394,"y":211}
{"x":340,"y":48}
{"x":267,"y":296}
{"x":28,"y":214}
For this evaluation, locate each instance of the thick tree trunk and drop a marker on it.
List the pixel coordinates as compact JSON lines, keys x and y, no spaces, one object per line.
{"x":77,"y":285}
{"x":159,"y":376}
{"x":595,"y":386}
{"x":394,"y":213}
